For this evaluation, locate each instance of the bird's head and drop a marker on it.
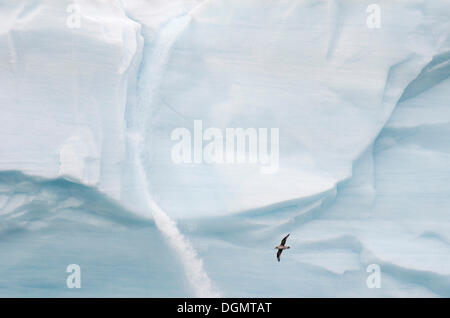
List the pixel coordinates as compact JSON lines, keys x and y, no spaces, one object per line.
{"x":288,"y":247}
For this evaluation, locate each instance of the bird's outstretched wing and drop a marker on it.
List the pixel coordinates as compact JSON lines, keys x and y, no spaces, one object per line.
{"x":283,"y":241}
{"x":278,"y":254}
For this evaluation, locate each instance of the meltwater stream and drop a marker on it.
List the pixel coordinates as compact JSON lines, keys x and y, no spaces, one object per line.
{"x":153,"y":67}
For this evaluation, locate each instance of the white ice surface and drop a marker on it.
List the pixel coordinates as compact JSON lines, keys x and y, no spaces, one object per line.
{"x":87,"y":177}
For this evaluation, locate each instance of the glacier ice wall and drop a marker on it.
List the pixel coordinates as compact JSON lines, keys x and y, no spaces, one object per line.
{"x":87,"y":177}
{"x":295,"y":75}
{"x":64,"y":89}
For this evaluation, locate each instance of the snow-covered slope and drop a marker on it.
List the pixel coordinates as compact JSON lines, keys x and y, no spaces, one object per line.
{"x":91,"y":91}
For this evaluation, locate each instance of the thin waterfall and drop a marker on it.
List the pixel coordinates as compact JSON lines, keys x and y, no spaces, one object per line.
{"x":152,"y":70}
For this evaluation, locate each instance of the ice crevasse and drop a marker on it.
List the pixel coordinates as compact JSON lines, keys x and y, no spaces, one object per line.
{"x":91,"y":91}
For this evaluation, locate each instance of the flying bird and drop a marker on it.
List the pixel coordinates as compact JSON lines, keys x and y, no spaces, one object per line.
{"x":282,"y":247}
